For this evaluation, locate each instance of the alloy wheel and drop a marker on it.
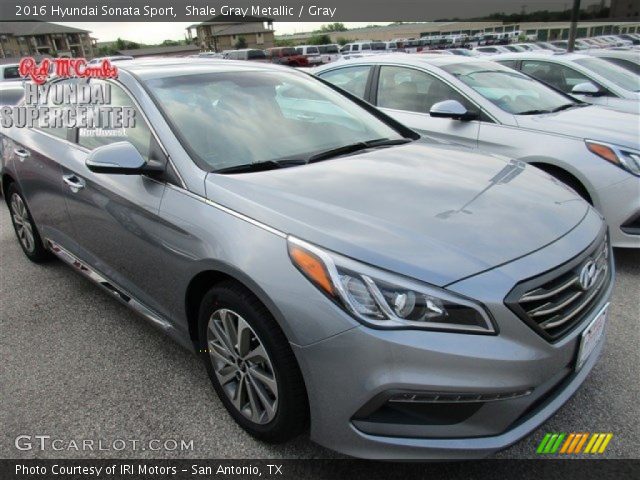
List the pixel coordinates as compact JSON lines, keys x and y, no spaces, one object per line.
{"x":242,"y":366}
{"x":24,"y":228}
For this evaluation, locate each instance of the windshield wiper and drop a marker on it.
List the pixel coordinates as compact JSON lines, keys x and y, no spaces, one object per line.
{"x":260,"y":166}
{"x":565,"y":107}
{"x":534,"y":112}
{"x":354,"y":147}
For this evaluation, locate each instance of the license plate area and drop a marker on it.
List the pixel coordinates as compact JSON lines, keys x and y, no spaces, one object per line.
{"x":591,"y":336}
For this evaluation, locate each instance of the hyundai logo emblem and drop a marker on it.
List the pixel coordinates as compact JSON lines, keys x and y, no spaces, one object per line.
{"x":588,"y":275}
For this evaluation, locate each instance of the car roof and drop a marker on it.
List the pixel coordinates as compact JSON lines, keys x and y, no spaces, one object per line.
{"x":415,"y":59}
{"x":568,"y":57}
{"x":173,"y":67}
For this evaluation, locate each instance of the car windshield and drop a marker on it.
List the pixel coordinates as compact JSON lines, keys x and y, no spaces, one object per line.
{"x":615,"y":74}
{"x":512,"y":91}
{"x":229,"y":119}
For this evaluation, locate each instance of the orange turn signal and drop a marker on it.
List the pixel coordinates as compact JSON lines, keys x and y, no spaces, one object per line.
{"x":604,"y":152}
{"x":311,"y":265}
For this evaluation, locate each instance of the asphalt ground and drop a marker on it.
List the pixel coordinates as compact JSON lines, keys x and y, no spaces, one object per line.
{"x":76,"y":364}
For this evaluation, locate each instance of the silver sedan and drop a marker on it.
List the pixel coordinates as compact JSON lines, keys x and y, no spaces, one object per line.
{"x":482,"y":104}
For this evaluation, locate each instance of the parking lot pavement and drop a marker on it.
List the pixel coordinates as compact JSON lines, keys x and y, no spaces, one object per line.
{"x":78,"y":365}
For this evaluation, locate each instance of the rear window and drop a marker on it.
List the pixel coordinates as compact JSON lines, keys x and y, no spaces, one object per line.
{"x":255,"y":54}
{"x":378,"y":46}
{"x":328,"y":49}
{"x":11,"y":73}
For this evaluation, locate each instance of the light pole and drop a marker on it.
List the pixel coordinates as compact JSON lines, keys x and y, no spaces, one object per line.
{"x":575,"y":13}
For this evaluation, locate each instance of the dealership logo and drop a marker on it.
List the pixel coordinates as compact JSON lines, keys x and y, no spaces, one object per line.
{"x":574,"y":443}
{"x":588,"y":275}
{"x":39,"y":73}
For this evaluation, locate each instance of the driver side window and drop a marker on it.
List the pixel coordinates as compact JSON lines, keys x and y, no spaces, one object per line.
{"x":559,"y":76}
{"x":412,"y":90}
{"x":139,"y":135}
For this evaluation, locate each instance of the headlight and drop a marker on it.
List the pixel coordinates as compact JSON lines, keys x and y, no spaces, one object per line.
{"x":623,"y":157}
{"x":384,"y":300}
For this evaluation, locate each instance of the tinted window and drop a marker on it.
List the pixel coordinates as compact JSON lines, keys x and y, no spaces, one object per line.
{"x":256,"y":54}
{"x":561,"y":77}
{"x":139,"y":135}
{"x":351,"y":79}
{"x":11,"y":72}
{"x":312,"y":50}
{"x":413,"y":90}
{"x":366,"y":46}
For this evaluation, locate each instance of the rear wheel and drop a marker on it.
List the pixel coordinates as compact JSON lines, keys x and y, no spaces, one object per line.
{"x":251,"y":365}
{"x":25,"y":227}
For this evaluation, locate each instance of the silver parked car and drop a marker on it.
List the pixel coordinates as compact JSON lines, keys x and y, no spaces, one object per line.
{"x":405,"y":300}
{"x":587,"y":78}
{"x":482,"y":104}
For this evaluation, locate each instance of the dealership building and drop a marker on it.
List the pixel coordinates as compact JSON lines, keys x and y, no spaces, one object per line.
{"x":541,"y":30}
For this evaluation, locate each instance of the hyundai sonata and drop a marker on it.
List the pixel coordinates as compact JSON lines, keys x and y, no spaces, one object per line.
{"x":332,"y":270}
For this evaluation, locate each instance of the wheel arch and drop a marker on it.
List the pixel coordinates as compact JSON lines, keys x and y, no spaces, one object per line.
{"x":564,"y":175}
{"x":213,"y":274}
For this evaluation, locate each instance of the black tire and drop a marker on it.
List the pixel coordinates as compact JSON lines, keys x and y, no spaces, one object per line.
{"x":33,"y":249}
{"x":292,"y":411}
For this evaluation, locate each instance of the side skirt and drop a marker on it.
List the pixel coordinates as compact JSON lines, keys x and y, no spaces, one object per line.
{"x":107,"y":285}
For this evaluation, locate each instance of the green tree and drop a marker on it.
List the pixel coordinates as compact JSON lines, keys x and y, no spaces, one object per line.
{"x":241,"y":43}
{"x":319,"y":40}
{"x":342,"y":41}
{"x":333,"y":27}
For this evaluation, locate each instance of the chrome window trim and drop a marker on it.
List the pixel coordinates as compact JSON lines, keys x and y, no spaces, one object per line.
{"x":221,"y":207}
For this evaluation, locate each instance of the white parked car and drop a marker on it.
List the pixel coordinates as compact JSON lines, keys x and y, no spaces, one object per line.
{"x":482,"y":104}
{"x":490,"y":49}
{"x":311,"y":52}
{"x":329,"y":52}
{"x":587,"y":78}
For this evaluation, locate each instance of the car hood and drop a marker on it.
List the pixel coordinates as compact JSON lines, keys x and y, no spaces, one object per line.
{"x":592,"y":122}
{"x":432,"y":213}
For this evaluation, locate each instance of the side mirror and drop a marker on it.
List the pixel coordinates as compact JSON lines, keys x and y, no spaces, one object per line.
{"x":451,"y":109}
{"x":120,"y":158}
{"x":586,"y":88}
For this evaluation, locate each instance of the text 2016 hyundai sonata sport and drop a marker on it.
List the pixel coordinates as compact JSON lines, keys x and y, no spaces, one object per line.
{"x":333,"y":270}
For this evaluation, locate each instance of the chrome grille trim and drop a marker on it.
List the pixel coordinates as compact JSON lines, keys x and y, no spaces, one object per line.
{"x":553,"y":303}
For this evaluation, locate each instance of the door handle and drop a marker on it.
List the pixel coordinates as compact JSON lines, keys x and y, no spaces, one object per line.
{"x":21,"y":153}
{"x":74,"y":183}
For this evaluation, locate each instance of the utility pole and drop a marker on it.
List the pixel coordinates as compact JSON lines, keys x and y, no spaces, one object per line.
{"x":575,"y":13}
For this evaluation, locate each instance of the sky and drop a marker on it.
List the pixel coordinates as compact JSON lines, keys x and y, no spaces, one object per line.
{"x":156,"y":32}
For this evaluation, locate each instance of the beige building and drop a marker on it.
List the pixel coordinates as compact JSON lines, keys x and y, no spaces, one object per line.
{"x":219,"y":36}
{"x":18,"y":39}
{"x":542,"y":30}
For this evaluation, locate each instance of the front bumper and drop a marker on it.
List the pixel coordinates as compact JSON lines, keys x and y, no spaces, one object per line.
{"x":620,"y":205}
{"x":348,"y":372}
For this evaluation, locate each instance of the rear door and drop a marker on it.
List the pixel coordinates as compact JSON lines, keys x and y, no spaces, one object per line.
{"x":407,"y":94}
{"x":36,"y":155}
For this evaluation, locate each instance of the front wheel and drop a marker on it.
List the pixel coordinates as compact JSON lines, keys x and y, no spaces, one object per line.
{"x":25,"y":227}
{"x":251,"y":364}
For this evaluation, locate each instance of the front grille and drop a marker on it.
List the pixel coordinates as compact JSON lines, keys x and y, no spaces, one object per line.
{"x":554,"y":303}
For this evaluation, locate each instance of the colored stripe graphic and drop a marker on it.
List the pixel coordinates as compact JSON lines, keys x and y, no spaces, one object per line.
{"x":573,"y":443}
